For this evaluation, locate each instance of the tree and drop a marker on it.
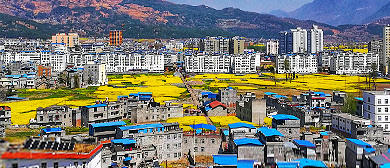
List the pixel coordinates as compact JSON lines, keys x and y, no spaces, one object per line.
{"x":349,"y":105}
{"x":373,"y":75}
{"x":286,"y":66}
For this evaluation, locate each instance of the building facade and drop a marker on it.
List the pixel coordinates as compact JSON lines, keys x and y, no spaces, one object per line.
{"x":299,"y":63}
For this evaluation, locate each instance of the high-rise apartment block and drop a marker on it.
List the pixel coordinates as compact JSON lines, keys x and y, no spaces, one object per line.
{"x":116,"y":37}
{"x":301,"y":41}
{"x":386,"y":49}
{"x":222,"y":45}
{"x":272,"y":47}
{"x":70,"y":39}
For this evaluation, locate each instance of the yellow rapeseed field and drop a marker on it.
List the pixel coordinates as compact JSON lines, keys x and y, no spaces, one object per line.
{"x":185,"y":122}
{"x":225,"y":120}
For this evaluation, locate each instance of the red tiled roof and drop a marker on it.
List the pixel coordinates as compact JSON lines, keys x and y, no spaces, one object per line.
{"x":216,"y":104}
{"x":48,"y":155}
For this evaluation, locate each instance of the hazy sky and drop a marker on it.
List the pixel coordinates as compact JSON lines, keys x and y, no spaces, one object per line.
{"x":261,"y":6}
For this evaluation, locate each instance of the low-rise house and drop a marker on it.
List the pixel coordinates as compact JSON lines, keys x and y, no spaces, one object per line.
{"x":52,"y":132}
{"x":355,"y":152}
{"x":5,"y":119}
{"x":216,"y":108}
{"x":53,"y":116}
{"x":251,"y":109}
{"x":288,"y":125}
{"x":274,"y":149}
{"x":306,"y":149}
{"x":127,"y":152}
{"x":249,"y":149}
{"x":104,"y":131}
{"x":205,"y":144}
{"x":228,"y":96}
{"x":102,"y":112}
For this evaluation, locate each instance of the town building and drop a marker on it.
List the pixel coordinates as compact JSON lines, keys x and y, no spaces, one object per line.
{"x":205,"y":143}
{"x":116,"y":37}
{"x":95,"y":74}
{"x":236,"y":45}
{"x":105,"y":131}
{"x":357,"y":152}
{"x":207,"y":63}
{"x":306,"y":149}
{"x":249,"y":108}
{"x":70,"y":39}
{"x":227,"y":96}
{"x":301,"y":41}
{"x":5,"y":119}
{"x":42,"y":154}
{"x":100,"y":113}
{"x":356,"y":127}
{"x":386,"y":49}
{"x":272,"y":47}
{"x":216,"y":108}
{"x":166,"y":138}
{"x":245,"y":64}
{"x":354,"y":63}
{"x":217,"y":45}
{"x":127,"y":152}
{"x":274,"y":149}
{"x":154,"y":111}
{"x":299,"y":63}
{"x":287,"y":125}
{"x":53,"y":116}
{"x":376,"y":47}
{"x":376,"y":106}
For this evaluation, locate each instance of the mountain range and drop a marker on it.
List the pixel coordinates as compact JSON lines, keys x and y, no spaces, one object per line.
{"x":162,"y":19}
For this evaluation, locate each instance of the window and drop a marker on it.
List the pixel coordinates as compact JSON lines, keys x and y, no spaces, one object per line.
{"x":64,"y":115}
{"x":369,"y":99}
{"x":179,"y":154}
{"x":175,"y":155}
{"x":212,"y":140}
{"x":379,"y":109}
{"x":196,"y":149}
{"x":146,"y":153}
{"x":43,"y":165}
{"x":379,"y":118}
{"x":386,"y":118}
{"x":386,"y":126}
{"x":201,"y":149}
{"x":369,"y":107}
{"x":168,"y":136}
{"x":196,"y":140}
{"x":168,"y":155}
{"x":174,"y":136}
{"x":185,"y":140}
{"x":55,"y":164}
{"x":168,"y":146}
{"x":386,"y":109}
{"x":202,"y":140}
{"x":379,"y":101}
{"x":386,"y":101}
{"x":289,"y":130}
{"x":40,"y":118}
{"x":15,"y":165}
{"x":179,"y":145}
{"x":84,"y":164}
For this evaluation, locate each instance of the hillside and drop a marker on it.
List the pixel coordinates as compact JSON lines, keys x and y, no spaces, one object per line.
{"x":145,"y":19}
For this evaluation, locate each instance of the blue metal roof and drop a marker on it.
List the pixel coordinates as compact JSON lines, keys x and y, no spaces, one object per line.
{"x":270,"y":93}
{"x":328,"y":95}
{"x":127,"y":159}
{"x":204,"y":126}
{"x":143,"y":126}
{"x":144,"y":93}
{"x":49,"y":130}
{"x":284,"y":117}
{"x":304,"y":143}
{"x":225,"y":159}
{"x":245,"y":163}
{"x":369,"y":150}
{"x":240,"y":124}
{"x":124,"y":141}
{"x":226,"y":132}
{"x":247,"y":141}
{"x":205,"y":93}
{"x":16,"y":98}
{"x":97,"y":105}
{"x":304,"y":162}
{"x":324,"y":133}
{"x":109,"y":124}
{"x":267,"y":132}
{"x":206,"y":103}
{"x":283,"y":164}
{"x":207,"y":108}
{"x":359,"y":98}
{"x":386,"y":165}
{"x":279,"y":96}
{"x":359,"y":142}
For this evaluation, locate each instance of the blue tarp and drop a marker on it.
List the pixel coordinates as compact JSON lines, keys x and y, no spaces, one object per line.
{"x":240,"y":124}
{"x":270,"y":93}
{"x":369,"y":150}
{"x":143,"y":126}
{"x":304,"y":162}
{"x":287,"y":164}
{"x":109,"y":124}
{"x":226,"y":132}
{"x":247,"y":141}
{"x":359,"y":142}
{"x":284,"y":117}
{"x":304,"y":143}
{"x":48,"y":130}
{"x":16,"y":98}
{"x":279,"y":96}
{"x":127,"y":159}
{"x":203,"y":126}
{"x":324,"y":133}
{"x":245,"y":163}
{"x":225,"y":159}
{"x":124,"y":141}
{"x":96,"y":105}
{"x":267,"y":132}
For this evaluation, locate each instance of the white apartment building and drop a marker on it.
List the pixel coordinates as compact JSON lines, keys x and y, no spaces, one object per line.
{"x":28,"y":56}
{"x":207,"y":63}
{"x":94,"y":73}
{"x":315,"y":42}
{"x":244,"y":64}
{"x":58,"y":61}
{"x":376,"y":107}
{"x":299,"y":63}
{"x":354,"y":63}
{"x":386,"y":48}
{"x":272,"y":47}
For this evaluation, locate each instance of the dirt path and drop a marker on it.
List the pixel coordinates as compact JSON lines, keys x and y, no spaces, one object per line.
{"x":194,"y":96}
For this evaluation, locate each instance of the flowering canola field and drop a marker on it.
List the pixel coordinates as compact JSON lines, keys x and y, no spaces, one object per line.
{"x":160,"y":86}
{"x":225,"y":120}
